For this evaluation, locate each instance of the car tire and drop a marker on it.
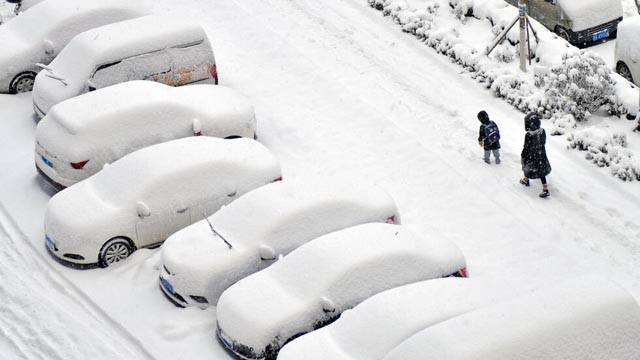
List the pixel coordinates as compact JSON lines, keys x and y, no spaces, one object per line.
{"x":623,"y":70}
{"x":115,"y":250}
{"x":563,"y":33}
{"x":23,"y":82}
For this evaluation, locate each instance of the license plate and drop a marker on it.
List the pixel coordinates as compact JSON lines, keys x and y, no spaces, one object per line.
{"x":228,"y":342}
{"x":600,"y":35}
{"x":166,"y":285}
{"x":46,"y":161}
{"x":50,"y":244}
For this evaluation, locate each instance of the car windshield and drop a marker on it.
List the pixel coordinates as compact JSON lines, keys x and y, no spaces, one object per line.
{"x":73,"y":63}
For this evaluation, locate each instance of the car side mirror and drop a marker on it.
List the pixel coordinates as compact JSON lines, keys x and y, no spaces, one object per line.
{"x":142,"y":209}
{"x":327,"y":305}
{"x":49,"y":47}
{"x":267,"y":253}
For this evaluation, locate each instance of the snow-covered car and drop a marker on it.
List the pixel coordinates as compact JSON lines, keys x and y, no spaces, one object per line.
{"x":315,"y":283}
{"x":390,"y":318}
{"x":38,"y":35}
{"x":261,"y":225}
{"x":141,"y":199}
{"x":587,"y":318}
{"x":82,"y":134}
{"x":627,"y":50}
{"x":579,"y":22}
{"x":171,"y":51}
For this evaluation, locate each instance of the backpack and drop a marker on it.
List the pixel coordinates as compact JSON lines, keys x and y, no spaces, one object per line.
{"x":491,"y":133}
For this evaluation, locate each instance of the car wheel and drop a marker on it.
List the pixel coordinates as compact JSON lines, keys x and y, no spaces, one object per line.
{"x":563,"y":33}
{"x":23,"y":82}
{"x":115,"y":250}
{"x":624,"y":71}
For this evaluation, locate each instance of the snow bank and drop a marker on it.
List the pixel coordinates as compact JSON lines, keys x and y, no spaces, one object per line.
{"x":276,"y":218}
{"x":588,"y":318}
{"x":334,"y":272}
{"x":445,"y":28}
{"x":389,"y":318}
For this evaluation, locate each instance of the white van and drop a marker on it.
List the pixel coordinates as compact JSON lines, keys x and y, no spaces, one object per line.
{"x":81,"y":134}
{"x":154,"y":48}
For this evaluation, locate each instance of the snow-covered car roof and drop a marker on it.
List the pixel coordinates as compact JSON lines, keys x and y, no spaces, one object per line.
{"x":33,"y":27}
{"x":113,"y":42}
{"x":278,"y":218}
{"x":207,"y":158}
{"x":324,"y":277}
{"x":587,"y":318}
{"x":97,"y":119}
{"x":590,"y":13}
{"x":389,"y":318}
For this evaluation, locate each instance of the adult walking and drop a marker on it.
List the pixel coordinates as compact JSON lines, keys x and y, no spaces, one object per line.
{"x":535,"y":164}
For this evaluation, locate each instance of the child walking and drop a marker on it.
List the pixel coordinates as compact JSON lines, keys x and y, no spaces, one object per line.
{"x":535,"y":164}
{"x":489,"y":137}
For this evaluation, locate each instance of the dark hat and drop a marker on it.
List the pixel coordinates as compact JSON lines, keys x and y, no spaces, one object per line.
{"x":532,"y":121}
{"x":483,"y":117}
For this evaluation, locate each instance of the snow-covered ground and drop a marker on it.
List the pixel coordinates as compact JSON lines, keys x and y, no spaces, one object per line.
{"x":338,"y":90}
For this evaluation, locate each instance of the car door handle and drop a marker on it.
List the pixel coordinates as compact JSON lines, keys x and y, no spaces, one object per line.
{"x":182,"y":210}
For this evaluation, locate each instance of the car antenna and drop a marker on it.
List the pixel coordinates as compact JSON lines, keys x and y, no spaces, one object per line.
{"x":216,"y":233}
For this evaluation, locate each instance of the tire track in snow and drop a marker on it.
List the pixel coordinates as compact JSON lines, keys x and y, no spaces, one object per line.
{"x":44,"y":316}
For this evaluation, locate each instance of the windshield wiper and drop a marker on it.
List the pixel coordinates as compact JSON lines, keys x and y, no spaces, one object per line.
{"x":59,"y":78}
{"x":215,"y":233}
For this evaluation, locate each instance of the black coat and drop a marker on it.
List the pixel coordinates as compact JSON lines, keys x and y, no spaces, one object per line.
{"x":534,"y":156}
{"x":481,"y":136}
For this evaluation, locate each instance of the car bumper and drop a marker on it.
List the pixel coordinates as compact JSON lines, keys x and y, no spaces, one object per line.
{"x":170,"y":294}
{"x":58,"y":186}
{"x":596,"y":33}
{"x":55,"y":254}
{"x":242,"y":352}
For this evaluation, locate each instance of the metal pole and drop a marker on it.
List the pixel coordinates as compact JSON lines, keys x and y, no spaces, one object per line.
{"x":522,"y":13}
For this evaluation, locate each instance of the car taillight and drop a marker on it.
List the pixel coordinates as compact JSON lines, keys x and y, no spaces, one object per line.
{"x":391,"y":219}
{"x":461,"y":273}
{"x":277,"y":179}
{"x":79,"y":165}
{"x":214,"y":72}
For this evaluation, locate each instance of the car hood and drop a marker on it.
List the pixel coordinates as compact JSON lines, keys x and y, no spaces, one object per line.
{"x":200,"y":263}
{"x":48,"y":91}
{"x":75,"y":216}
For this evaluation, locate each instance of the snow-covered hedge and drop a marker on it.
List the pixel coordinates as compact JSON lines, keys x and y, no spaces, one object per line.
{"x":567,"y":86}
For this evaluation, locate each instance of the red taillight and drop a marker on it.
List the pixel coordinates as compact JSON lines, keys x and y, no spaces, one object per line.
{"x":199,"y":133}
{"x":277,"y":179}
{"x":214,"y":72}
{"x":79,"y":165}
{"x":391,"y":219}
{"x":463,"y":272}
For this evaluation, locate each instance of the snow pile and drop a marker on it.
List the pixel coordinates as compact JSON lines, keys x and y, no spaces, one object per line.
{"x":588,"y":318}
{"x":326,"y":276}
{"x":276,"y":218}
{"x":566,"y":85}
{"x":586,"y":14}
{"x":389,"y":318}
{"x":605,"y":149}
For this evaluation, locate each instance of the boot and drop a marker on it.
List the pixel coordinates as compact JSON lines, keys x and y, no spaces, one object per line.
{"x":544,"y":193}
{"x":524,"y":181}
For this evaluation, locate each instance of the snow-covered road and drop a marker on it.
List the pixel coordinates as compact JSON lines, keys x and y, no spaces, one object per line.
{"x":338,"y":91}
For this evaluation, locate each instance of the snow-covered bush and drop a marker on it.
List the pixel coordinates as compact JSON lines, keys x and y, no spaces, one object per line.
{"x":607,"y":150}
{"x":504,"y":53}
{"x":580,"y":85}
{"x":461,"y":8}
